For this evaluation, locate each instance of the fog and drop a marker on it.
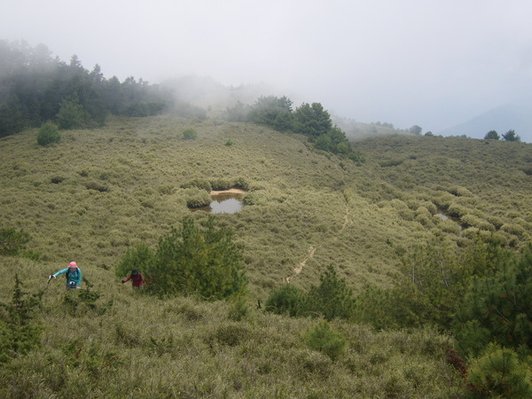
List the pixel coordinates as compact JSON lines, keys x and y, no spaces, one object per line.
{"x":427,"y":62}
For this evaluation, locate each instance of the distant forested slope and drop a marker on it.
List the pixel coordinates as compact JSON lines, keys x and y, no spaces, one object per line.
{"x":35,"y":87}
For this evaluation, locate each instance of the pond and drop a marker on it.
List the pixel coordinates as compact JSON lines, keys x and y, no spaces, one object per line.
{"x":227,"y":201}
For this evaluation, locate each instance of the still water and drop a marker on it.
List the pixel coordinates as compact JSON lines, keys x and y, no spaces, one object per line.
{"x":228,"y":205}
{"x":224,"y":202}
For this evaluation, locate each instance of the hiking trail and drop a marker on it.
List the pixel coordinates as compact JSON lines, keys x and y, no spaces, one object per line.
{"x":312,"y":249}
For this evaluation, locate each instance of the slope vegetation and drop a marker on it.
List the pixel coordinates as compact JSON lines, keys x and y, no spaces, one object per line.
{"x":99,"y":192}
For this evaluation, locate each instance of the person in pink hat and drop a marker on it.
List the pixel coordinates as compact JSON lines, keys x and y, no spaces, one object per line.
{"x":73,"y":275}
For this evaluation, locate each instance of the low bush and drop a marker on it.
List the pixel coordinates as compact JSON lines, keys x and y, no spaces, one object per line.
{"x":48,"y":134}
{"x":12,"y":241}
{"x":198,"y":183}
{"x":514,"y":229}
{"x":460,"y":191}
{"x":221,"y":184}
{"x":456,"y":210}
{"x":241,"y":183}
{"x":79,"y":302}
{"x":331,"y":299}
{"x":239,"y":309}
{"x":190,"y":134}
{"x":286,"y":299}
{"x":324,"y":339}
{"x":197,"y":198}
{"x":469,"y":220}
{"x":94,"y":185}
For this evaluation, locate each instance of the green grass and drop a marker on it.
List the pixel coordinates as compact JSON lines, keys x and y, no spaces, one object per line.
{"x":98,"y":192}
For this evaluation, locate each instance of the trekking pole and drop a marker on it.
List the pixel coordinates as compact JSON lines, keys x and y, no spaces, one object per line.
{"x":50,"y":277}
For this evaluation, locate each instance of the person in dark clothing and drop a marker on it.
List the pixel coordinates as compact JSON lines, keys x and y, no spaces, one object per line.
{"x":136,"y":277}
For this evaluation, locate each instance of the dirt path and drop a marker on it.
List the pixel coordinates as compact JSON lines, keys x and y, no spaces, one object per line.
{"x":301,"y":264}
{"x":347,"y":220}
{"x":299,"y":268}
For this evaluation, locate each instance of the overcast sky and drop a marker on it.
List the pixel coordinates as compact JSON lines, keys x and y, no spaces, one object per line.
{"x":434,"y":63}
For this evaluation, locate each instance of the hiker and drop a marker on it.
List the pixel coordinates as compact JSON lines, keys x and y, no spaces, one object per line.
{"x":73,"y":275}
{"x":136,"y":277}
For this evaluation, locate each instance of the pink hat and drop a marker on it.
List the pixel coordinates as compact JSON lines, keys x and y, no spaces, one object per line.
{"x":72,"y":264}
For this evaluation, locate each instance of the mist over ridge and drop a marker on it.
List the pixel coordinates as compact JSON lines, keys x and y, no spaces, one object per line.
{"x":406,"y":63}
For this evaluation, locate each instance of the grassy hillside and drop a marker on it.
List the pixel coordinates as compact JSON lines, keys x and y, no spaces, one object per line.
{"x":100,"y":191}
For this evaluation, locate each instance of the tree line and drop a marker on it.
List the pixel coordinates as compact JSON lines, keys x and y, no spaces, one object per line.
{"x":510,"y":135}
{"x":311,"y":120}
{"x":35,"y":88}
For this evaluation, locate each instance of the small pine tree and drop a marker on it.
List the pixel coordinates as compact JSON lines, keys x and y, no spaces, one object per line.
{"x":18,"y":331}
{"x":510,"y":135}
{"x":496,"y":307}
{"x":332,"y":298}
{"x":312,"y":120}
{"x":498,"y":373}
{"x":324,"y":339}
{"x":195,"y":261}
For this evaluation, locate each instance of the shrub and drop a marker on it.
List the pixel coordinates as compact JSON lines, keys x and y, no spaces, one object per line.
{"x":398,"y":307}
{"x":356,"y":157}
{"x":460,"y":191}
{"x":472,"y":220}
{"x":190,"y":134}
{"x":241,"y":184}
{"x":456,"y":210}
{"x":198,"y":183}
{"x":197,"y":261}
{"x":138,"y":258}
{"x":499,"y":374}
{"x":239,"y":309}
{"x":324,"y":339}
{"x":93,"y":185}
{"x":334,"y":140}
{"x":286,"y":299}
{"x":79,"y":302}
{"x":221,"y":184}
{"x":12,"y":241}
{"x":449,"y":226}
{"x":332,"y":298}
{"x":197,"y":198}
{"x":514,"y":229}
{"x":230,"y":334}
{"x":48,"y":134}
